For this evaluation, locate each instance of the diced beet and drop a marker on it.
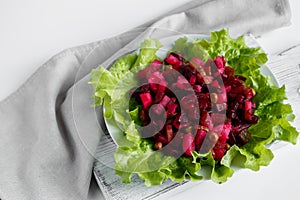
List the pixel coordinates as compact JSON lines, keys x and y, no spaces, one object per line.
{"x":222,"y":98}
{"x":177,"y":65}
{"x":203,"y":99}
{"x":205,"y":119}
{"x":158,"y":121}
{"x":174,"y":148}
{"x":171,"y":109}
{"x":239,"y":90}
{"x":215,"y":84}
{"x":170,"y":76}
{"x":210,"y":62}
{"x":199,"y":138}
{"x":144,"y":116}
{"x":227,"y":88}
{"x":200,"y":77}
{"x":154,"y":66}
{"x":180,"y":56}
{"x":248,"y":110}
{"x":156,"y":63}
{"x":188,"y":102}
{"x":218,"y":118}
{"x":161,"y":138}
{"x":165,"y":100}
{"x":193,"y":80}
{"x":196,"y":62}
{"x":229,"y":71}
{"x":183,"y":118}
{"x":249,"y":93}
{"x":254,"y":119}
{"x":184,"y":121}
{"x":240,"y":98}
{"x":253,"y":105}
{"x":158,"y":108}
{"x":241,"y":126}
{"x":197,"y":88}
{"x":225,"y":132}
{"x":144,"y":74}
{"x":173,"y":99}
{"x":207,"y":69}
{"x":218,"y":129}
{"x":146,"y":99}
{"x":188,"y":144}
{"x":176,"y":122}
{"x":218,"y":153}
{"x":194,"y":114}
{"x":171,"y":59}
{"x":220,"y":62}
{"x":209,"y":142}
{"x":220,"y":71}
{"x":240,"y":106}
{"x":160,"y":93}
{"x":155,"y":80}
{"x":182,"y":83}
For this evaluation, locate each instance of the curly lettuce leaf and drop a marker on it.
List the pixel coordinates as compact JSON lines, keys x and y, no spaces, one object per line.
{"x":104,"y":83}
{"x":149,"y":165}
{"x":123,"y":65}
{"x":184,"y":169}
{"x":254,"y":156}
{"x":189,"y":49}
{"x":147,"y":53}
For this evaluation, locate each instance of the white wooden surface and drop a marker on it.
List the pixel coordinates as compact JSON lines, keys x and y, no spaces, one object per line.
{"x":32,"y":31}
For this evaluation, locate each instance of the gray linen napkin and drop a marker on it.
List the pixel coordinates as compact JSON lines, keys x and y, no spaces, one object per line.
{"x":49,"y":132}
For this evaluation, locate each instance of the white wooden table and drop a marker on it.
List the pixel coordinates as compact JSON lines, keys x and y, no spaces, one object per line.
{"x":33,"y":31}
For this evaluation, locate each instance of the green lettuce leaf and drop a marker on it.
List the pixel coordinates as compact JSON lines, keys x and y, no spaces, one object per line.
{"x":104,"y":83}
{"x":184,"y":169}
{"x":218,"y":173}
{"x":189,"y":49}
{"x":123,"y":65}
{"x":253,"y":156}
{"x":149,"y":165}
{"x":147,"y":54}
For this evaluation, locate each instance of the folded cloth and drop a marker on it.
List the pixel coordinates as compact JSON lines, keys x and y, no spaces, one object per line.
{"x":49,"y":132}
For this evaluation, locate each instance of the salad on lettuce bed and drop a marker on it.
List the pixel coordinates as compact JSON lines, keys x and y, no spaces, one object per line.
{"x":193,"y":112}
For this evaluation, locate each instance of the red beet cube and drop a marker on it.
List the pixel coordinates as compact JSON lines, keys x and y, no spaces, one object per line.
{"x":146,"y":99}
